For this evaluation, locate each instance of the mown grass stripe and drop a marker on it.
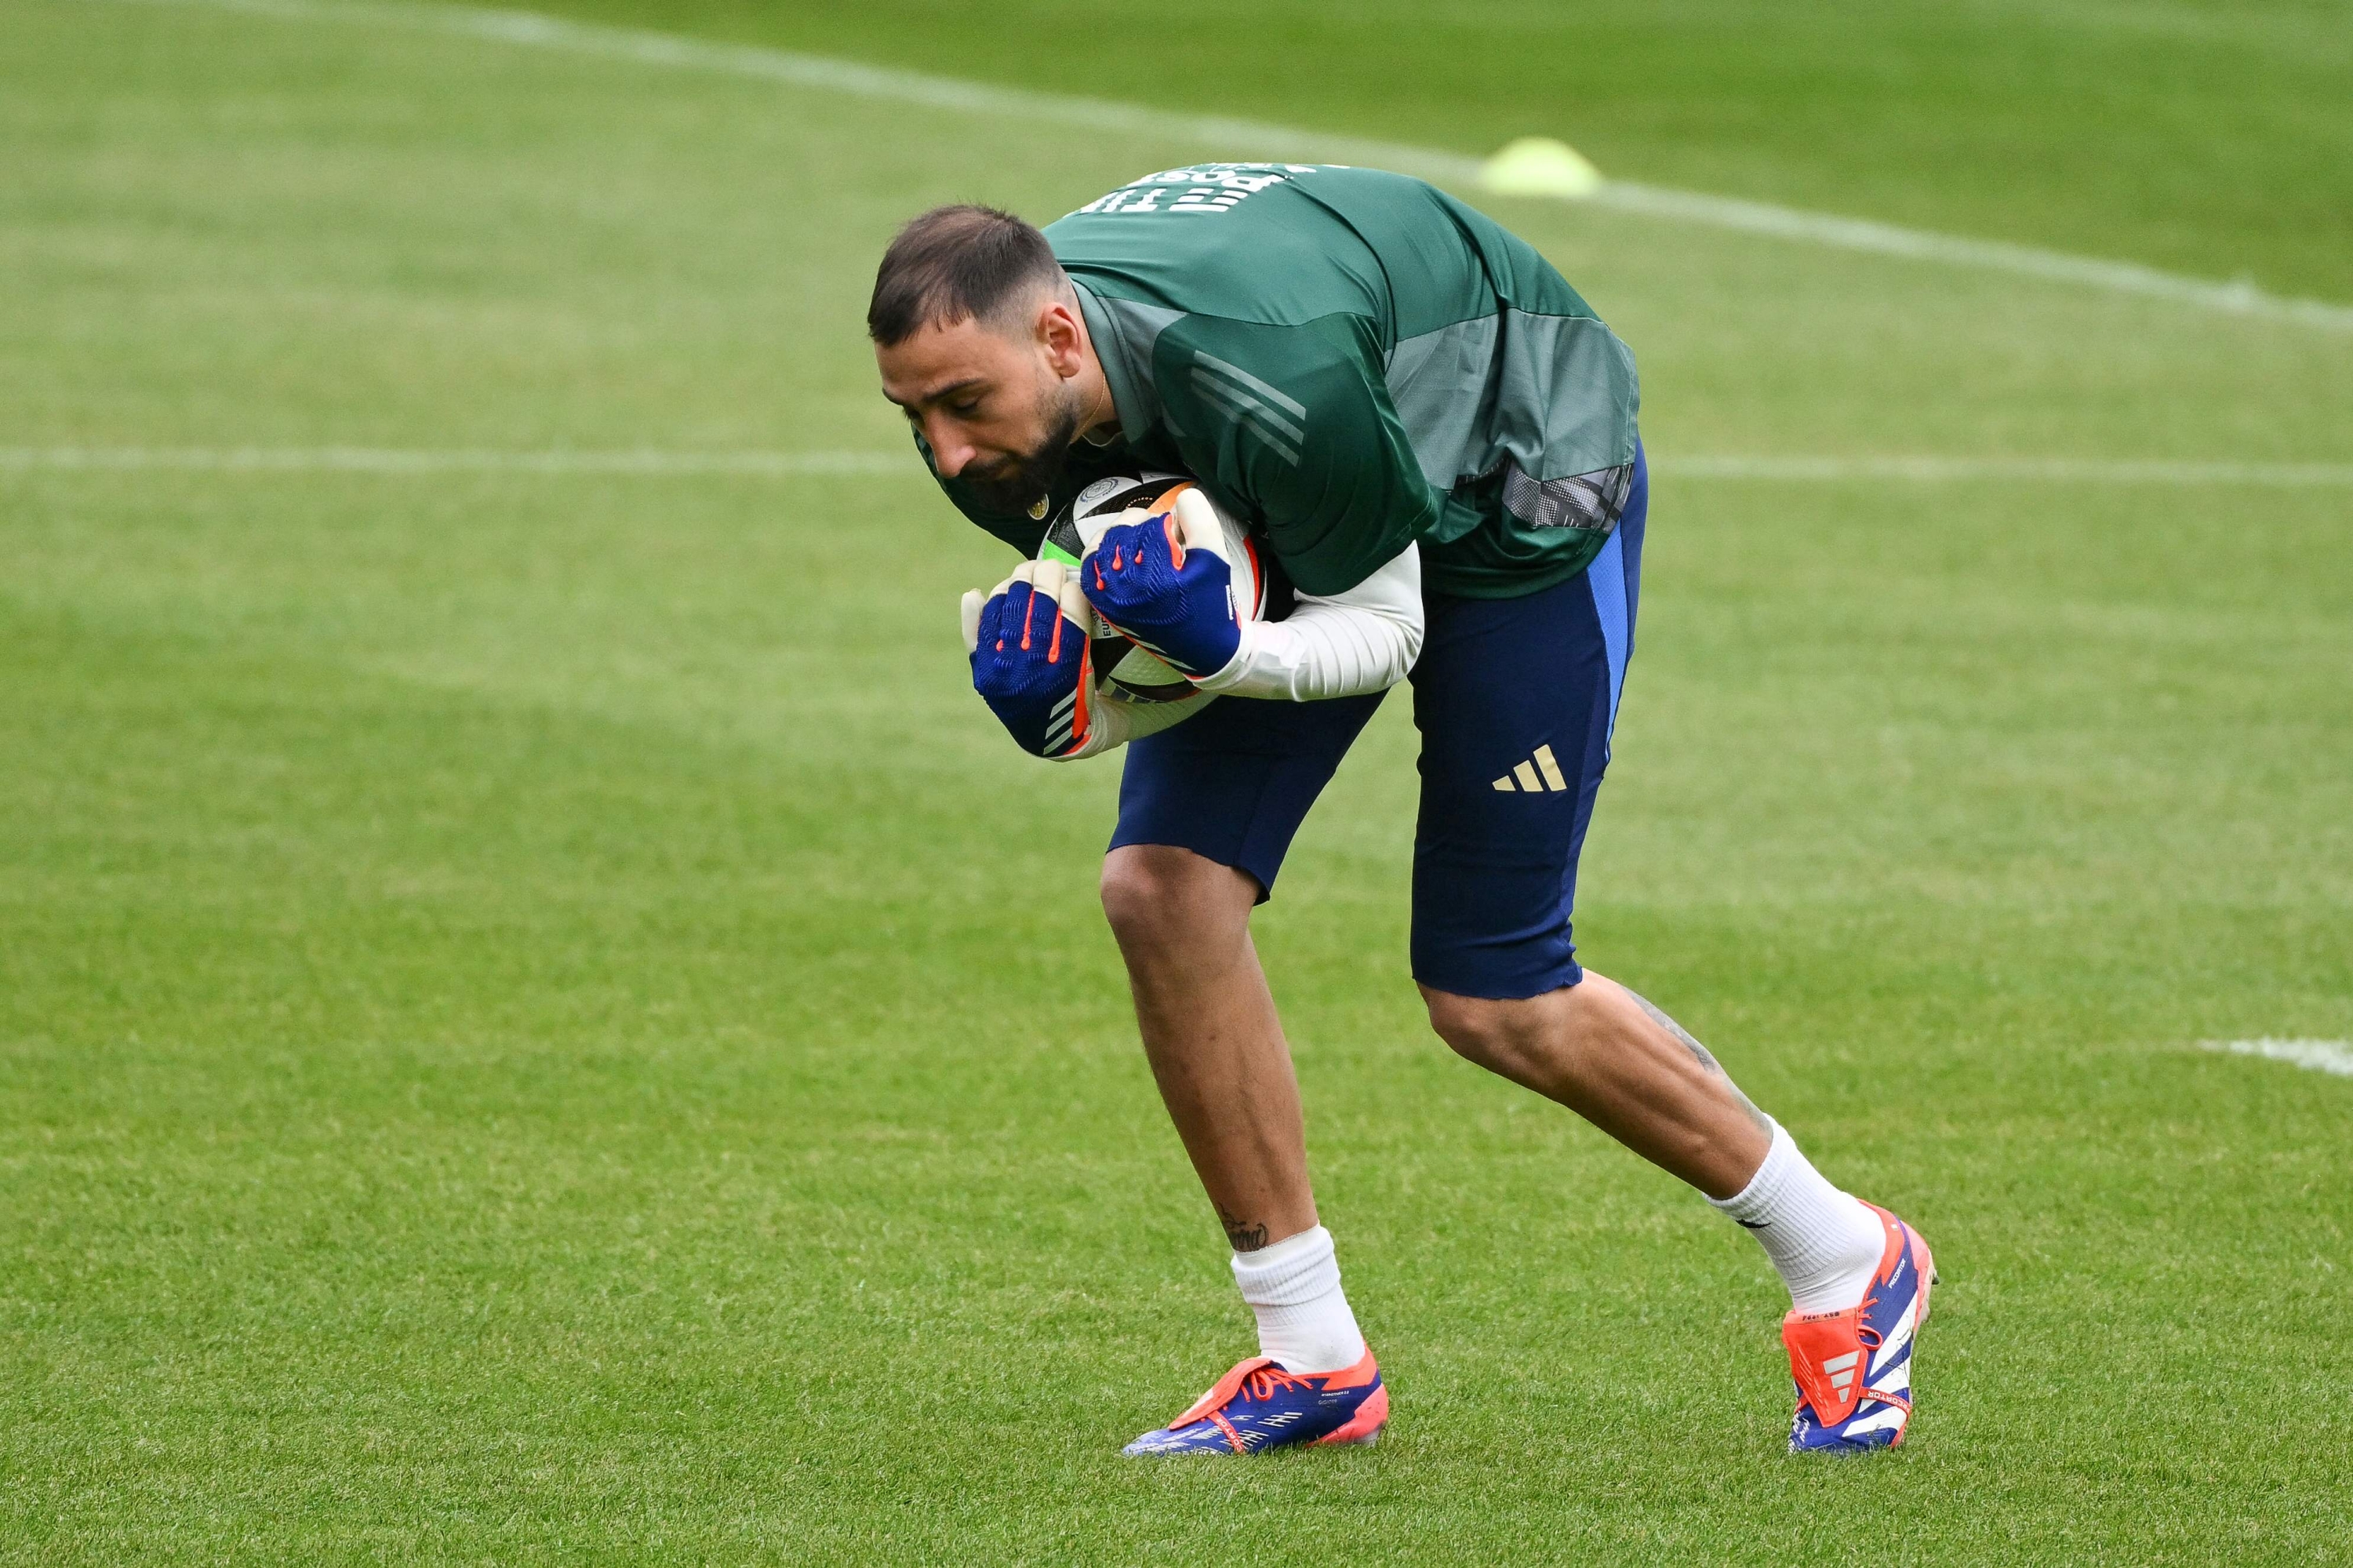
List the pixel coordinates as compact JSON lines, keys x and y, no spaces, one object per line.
{"x":1250,"y":139}
{"x":666,"y":464}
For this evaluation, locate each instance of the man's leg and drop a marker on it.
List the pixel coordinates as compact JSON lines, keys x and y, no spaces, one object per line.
{"x":1212,"y":1036}
{"x":1631,"y":1070}
{"x":1206,"y":811}
{"x":1622,"y":1064}
{"x":1516,"y":701}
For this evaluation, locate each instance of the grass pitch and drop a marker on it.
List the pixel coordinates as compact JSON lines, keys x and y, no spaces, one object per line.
{"x":538,"y":1020}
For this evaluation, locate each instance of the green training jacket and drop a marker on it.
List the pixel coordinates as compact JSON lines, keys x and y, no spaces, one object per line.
{"x":1352,"y":360}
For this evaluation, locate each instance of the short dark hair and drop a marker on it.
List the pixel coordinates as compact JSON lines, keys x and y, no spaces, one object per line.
{"x":952,"y":264}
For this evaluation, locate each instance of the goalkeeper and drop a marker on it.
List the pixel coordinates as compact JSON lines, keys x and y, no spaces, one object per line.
{"x":1435,"y":439}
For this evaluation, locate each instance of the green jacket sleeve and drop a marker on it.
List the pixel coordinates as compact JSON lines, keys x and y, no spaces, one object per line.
{"x":1295,"y":423}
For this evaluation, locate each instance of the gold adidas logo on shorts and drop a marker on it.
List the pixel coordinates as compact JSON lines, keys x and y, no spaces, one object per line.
{"x":1542,"y":763}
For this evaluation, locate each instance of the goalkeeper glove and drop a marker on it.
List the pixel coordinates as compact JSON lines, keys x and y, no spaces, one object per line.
{"x":1172,"y":600}
{"x":1030,"y":661}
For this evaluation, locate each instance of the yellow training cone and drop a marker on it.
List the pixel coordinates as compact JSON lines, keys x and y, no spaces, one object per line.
{"x":1539,"y":166}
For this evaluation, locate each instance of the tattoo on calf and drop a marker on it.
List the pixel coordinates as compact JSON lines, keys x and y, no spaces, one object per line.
{"x":1701,"y":1053}
{"x":1240,"y":1234}
{"x":1658,"y":1016}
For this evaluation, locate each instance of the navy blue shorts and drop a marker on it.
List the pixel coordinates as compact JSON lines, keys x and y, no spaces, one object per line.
{"x":1516,"y":699}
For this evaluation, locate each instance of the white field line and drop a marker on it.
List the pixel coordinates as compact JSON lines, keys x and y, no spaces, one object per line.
{"x":2331,"y":1056}
{"x":1248,"y":138}
{"x":654,"y":462}
{"x":2054,"y":471}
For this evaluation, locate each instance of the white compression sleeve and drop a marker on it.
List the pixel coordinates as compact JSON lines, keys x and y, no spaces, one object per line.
{"x":1117,"y":722}
{"x":1334,"y":645}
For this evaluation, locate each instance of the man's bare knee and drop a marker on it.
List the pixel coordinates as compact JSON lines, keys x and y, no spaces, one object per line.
{"x":1499,"y":1035}
{"x":1159,"y":899}
{"x":1467,"y":1024}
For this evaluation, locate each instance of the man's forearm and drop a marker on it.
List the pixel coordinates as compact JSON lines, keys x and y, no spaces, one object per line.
{"x":1117,"y":722}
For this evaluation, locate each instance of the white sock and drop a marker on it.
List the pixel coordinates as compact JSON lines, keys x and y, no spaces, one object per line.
{"x":1293,"y":1286}
{"x":1825,"y":1245}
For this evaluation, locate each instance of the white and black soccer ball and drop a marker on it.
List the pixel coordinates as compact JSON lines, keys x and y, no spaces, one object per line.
{"x":1122,"y":669}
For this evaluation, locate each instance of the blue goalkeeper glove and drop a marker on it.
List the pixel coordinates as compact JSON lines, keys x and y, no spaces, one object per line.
{"x":1030,"y":661}
{"x":1172,"y":600}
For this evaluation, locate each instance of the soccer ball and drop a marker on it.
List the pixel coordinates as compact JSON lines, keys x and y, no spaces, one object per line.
{"x":1122,"y":669}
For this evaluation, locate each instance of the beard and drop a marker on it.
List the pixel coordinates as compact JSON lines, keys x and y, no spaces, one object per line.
{"x":1018,"y":482}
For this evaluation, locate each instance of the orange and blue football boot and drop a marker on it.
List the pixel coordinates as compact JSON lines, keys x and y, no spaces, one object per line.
{"x":1258,"y":1406}
{"x":1854,"y":1369}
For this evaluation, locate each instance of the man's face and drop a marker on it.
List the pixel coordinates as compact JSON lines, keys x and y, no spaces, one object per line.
{"x":996,"y":403}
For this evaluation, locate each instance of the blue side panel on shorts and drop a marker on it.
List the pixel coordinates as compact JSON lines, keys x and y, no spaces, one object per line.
{"x":1606,"y":577}
{"x":1233,"y":782}
{"x":1616,"y":575}
{"x":1516,"y":700}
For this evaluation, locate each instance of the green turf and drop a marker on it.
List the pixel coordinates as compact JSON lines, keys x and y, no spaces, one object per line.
{"x":2207,"y":136}
{"x":539,"y":1022}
